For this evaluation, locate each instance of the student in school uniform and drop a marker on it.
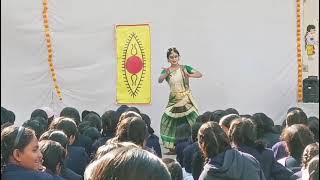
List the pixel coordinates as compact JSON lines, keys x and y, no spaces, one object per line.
{"x":20,"y":155}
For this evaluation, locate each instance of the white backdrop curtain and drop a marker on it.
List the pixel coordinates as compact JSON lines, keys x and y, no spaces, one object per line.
{"x":245,"y":49}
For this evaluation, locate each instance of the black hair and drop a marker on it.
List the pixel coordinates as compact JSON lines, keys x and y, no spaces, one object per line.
{"x":296,"y":117}
{"x":217,"y":115}
{"x":39,"y":113}
{"x":297,"y":137}
{"x":313,"y":124}
{"x":14,"y":138}
{"x":121,"y":109}
{"x":92,"y":133}
{"x":227,"y":120}
{"x":72,"y":113}
{"x":137,"y":131}
{"x":134,"y":109}
{"x":36,"y":126}
{"x":55,"y":135}
{"x":207,"y":116}
{"x":95,"y":119}
{"x":109,"y":121}
{"x":243,"y":132}
{"x":170,"y":50}
{"x":11,"y":116}
{"x":53,"y":154}
{"x":231,"y":111}
{"x":147,"y":120}
{"x":183,"y":132}
{"x":194,"y":131}
{"x":127,"y":163}
{"x":174,"y":168}
{"x":212,"y":140}
{"x":268,"y":123}
{"x":67,"y":125}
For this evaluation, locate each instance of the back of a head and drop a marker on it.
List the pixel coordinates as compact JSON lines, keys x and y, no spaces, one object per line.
{"x":36,"y":126}
{"x":267,"y":121}
{"x":4,"y":115}
{"x":231,"y":111}
{"x":174,"y":168}
{"x":39,"y":113}
{"x":296,"y":117}
{"x":127,"y":114}
{"x":127,"y":163}
{"x":53,"y":154}
{"x":313,"y":168}
{"x":147,"y":120}
{"x":227,"y":119}
{"x":92,"y":133}
{"x":183,"y":132}
{"x":72,"y":113}
{"x":60,"y":137}
{"x":309,"y":152}
{"x":122,"y":133}
{"x":242,"y":132}
{"x":207,"y":116}
{"x":11,"y":116}
{"x":137,"y":131}
{"x":104,"y":149}
{"x":194,"y":131}
{"x":212,"y":139}
{"x":217,"y":115}
{"x":95,"y":119}
{"x":109,"y":121}
{"x":134,"y":109}
{"x":121,"y":109}
{"x":313,"y":123}
{"x":297,"y":137}
{"x":67,"y":125}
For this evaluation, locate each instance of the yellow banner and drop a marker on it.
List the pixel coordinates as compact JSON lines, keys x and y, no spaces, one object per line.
{"x":133,"y":64}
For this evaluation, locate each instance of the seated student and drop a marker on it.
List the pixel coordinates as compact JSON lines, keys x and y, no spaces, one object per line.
{"x":174,"y":168}
{"x":36,"y":125}
{"x":152,"y":141}
{"x":83,"y":140}
{"x":242,"y":134}
{"x":121,"y":130}
{"x":102,"y":150}
{"x":77,"y":158}
{"x":61,"y":137}
{"x":109,"y":125}
{"x":128,"y":163}
{"x":296,"y":116}
{"x":72,"y":113}
{"x":20,"y":155}
{"x":191,"y":149}
{"x":231,"y":111}
{"x":50,"y":114}
{"x":183,"y":139}
{"x":312,"y":172}
{"x":313,"y":124}
{"x":223,"y":162}
{"x":53,"y":157}
{"x":296,"y":137}
{"x":265,"y":130}
{"x":226,"y":121}
{"x":217,"y":115}
{"x":309,"y":152}
{"x":40,"y":113}
{"x":92,"y":133}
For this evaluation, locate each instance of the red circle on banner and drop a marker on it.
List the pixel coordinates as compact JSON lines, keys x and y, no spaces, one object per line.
{"x":134,"y":64}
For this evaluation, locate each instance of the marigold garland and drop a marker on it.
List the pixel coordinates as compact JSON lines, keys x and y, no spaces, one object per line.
{"x":299,"y":51}
{"x":50,"y":48}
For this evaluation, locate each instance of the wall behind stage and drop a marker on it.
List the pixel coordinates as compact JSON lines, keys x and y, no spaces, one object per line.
{"x":245,"y":49}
